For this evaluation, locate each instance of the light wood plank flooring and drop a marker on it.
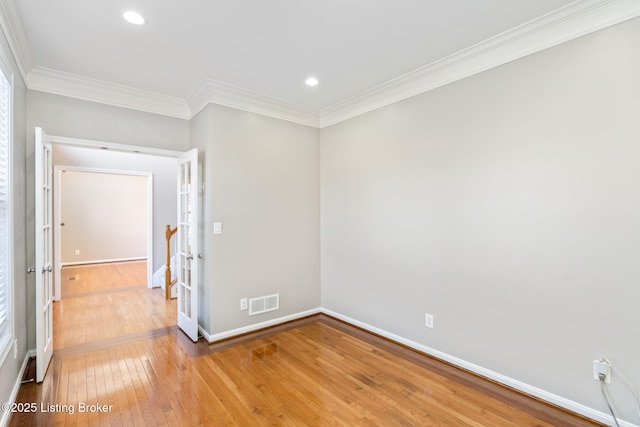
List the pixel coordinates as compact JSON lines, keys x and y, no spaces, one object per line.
{"x":79,"y":280}
{"x":105,"y":301}
{"x":314,"y":371}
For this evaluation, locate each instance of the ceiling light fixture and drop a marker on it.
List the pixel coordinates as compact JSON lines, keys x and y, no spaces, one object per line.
{"x":311,"y":81}
{"x":133,"y":17}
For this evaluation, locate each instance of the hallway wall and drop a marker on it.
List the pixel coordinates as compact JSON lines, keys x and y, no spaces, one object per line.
{"x":104,"y":215}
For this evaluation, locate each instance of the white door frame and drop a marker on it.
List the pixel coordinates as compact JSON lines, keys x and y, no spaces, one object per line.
{"x":57,"y":241}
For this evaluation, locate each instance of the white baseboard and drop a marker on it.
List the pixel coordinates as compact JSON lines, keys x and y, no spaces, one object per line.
{"x":487,"y":373}
{"x":102,"y":261}
{"x":5,"y":415}
{"x":257,"y":326}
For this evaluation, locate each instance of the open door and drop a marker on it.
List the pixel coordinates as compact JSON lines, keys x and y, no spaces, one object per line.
{"x":187,"y":244}
{"x":44,"y":258}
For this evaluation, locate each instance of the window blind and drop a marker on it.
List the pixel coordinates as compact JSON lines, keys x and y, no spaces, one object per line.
{"x":5,"y":211}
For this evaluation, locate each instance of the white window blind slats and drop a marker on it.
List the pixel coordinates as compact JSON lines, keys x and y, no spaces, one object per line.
{"x":5,"y":244}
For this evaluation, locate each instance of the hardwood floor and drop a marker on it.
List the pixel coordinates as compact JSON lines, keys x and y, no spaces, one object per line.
{"x":107,"y":301}
{"x":313,"y":371}
{"x":92,"y":278}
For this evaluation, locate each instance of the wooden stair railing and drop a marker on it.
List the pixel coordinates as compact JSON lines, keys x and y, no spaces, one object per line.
{"x":167,"y":272}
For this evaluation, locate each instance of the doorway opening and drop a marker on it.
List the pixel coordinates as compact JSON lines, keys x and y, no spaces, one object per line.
{"x":101,"y":216}
{"x":183,"y":211}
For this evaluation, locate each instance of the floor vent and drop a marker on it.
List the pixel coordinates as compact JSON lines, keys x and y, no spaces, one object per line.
{"x":264,"y":304}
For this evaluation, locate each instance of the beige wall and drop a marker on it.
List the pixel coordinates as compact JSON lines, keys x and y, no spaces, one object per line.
{"x":105,"y":217}
{"x":163,"y":170}
{"x":507,"y":206}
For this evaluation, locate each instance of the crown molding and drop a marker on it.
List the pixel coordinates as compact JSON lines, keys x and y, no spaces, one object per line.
{"x":16,"y":37}
{"x":210,"y":91}
{"x":575,"y":20}
{"x":74,"y":86}
{"x":570,"y":22}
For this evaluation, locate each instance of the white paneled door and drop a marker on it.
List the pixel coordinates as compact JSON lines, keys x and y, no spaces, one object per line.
{"x":44,"y":256}
{"x":187,"y":245}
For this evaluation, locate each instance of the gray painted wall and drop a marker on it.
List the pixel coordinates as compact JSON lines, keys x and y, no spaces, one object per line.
{"x":10,"y":368}
{"x":164,"y":183}
{"x":75,"y":118}
{"x":264,"y":181}
{"x":507,"y":206}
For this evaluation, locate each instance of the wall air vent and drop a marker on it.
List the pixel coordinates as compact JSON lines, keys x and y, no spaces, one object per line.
{"x":264,"y":304}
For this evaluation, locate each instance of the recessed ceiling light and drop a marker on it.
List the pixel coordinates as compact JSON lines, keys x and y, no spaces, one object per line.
{"x":311,"y":81}
{"x":133,"y":17}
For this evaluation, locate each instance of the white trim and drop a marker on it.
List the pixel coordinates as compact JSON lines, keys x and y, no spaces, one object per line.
{"x":125,"y":148}
{"x":150,"y":240}
{"x":101,"y":261}
{"x":570,"y":22}
{"x":210,"y":91}
{"x":57,"y":241}
{"x":88,"y":89}
{"x":101,"y":170}
{"x":14,"y":33}
{"x":206,"y":335}
{"x":257,"y":326}
{"x":5,"y":415}
{"x":484,"y":372}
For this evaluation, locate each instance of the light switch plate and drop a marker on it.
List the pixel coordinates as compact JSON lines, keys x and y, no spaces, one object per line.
{"x":217,"y":228}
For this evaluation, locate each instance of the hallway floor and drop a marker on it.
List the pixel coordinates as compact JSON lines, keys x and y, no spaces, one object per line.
{"x":105,"y":301}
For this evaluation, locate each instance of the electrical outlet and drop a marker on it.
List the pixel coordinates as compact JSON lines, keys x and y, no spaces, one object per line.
{"x":428,"y":320}
{"x":243,"y":304}
{"x":601,"y":367}
{"x":77,"y":251}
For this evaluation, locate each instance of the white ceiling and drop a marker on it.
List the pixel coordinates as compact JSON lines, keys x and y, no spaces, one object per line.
{"x":256,"y":54}
{"x":268,"y":47}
